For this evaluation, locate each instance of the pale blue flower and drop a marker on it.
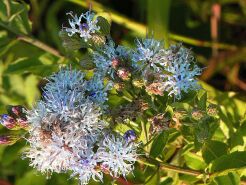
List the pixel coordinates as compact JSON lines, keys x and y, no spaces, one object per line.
{"x":181,"y":73}
{"x":149,"y":53}
{"x":104,"y":57}
{"x":117,"y":155}
{"x":85,"y":25}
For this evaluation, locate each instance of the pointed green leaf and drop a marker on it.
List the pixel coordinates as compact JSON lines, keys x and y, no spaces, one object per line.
{"x":159,"y":144}
{"x":213,"y":150}
{"x":231,"y":161}
{"x":104,"y":25}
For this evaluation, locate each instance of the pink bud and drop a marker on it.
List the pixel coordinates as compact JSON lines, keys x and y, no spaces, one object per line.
{"x":115,"y":63}
{"x":9,"y":122}
{"x":124,"y":74}
{"x":16,"y":111}
{"x":155,"y":88}
{"x":22,"y":122}
{"x":8,"y":139}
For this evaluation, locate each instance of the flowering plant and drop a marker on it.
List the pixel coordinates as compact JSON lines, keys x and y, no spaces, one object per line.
{"x":122,"y":110}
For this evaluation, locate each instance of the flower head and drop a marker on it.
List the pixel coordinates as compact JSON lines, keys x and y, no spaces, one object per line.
{"x":182,"y":72}
{"x":117,"y":155}
{"x":109,"y":57}
{"x":85,"y":25}
{"x":150,"y":54}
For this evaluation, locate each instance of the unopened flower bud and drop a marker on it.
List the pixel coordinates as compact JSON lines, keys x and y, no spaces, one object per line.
{"x":8,"y":139}
{"x":212,"y":110}
{"x":159,"y":123}
{"x":138,"y":83}
{"x":9,"y":122}
{"x":124,"y":74}
{"x":16,"y":111}
{"x":197,"y":114}
{"x":155,"y":88}
{"x":130,"y":136}
{"x":119,"y":86}
{"x":22,"y":122}
{"x":115,"y":63}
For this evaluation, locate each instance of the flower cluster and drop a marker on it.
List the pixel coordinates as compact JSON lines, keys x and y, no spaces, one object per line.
{"x":67,"y":133}
{"x":169,"y":70}
{"x":181,"y":72}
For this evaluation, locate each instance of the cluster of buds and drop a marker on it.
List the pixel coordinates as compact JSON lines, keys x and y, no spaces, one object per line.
{"x":197,"y":114}
{"x":16,"y":119}
{"x":212,"y":110}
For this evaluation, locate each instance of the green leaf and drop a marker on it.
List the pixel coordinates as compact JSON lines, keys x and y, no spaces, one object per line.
{"x":14,"y":17}
{"x":231,"y":161}
{"x":159,"y":144}
{"x":31,"y":89}
{"x":194,"y":161}
{"x":213,"y":150}
{"x":11,"y":153}
{"x":104,"y":25}
{"x":31,"y":178}
{"x":72,"y":42}
{"x":87,"y":62}
{"x":229,"y":179}
{"x":202,"y":102}
{"x":155,"y":179}
{"x":34,"y":65}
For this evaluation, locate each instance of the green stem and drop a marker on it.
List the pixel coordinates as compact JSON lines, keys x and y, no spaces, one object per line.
{"x":178,"y":169}
{"x":40,"y":45}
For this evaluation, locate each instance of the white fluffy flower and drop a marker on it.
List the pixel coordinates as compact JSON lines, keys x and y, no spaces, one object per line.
{"x":64,"y":127}
{"x":47,"y":152}
{"x":149,"y":53}
{"x":84,"y":29}
{"x":182,"y":73}
{"x":117,"y":155}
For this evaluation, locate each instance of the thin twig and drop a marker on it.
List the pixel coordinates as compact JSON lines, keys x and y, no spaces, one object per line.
{"x":40,"y":45}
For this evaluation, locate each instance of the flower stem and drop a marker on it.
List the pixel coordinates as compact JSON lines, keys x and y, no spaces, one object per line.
{"x":178,"y":169}
{"x":40,"y":45}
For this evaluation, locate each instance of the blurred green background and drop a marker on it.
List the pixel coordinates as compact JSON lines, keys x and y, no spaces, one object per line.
{"x":30,"y":49}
